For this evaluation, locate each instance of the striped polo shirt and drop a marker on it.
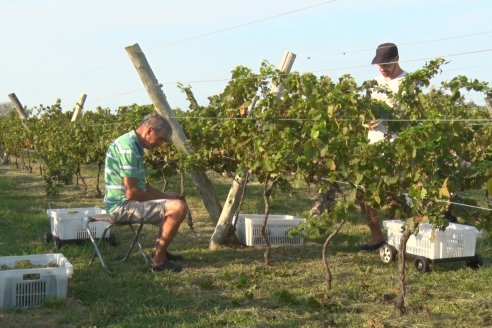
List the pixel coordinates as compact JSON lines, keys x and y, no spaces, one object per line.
{"x":124,"y":158}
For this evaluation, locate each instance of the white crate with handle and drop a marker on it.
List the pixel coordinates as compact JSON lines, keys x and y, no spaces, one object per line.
{"x":456,"y":243}
{"x":45,"y":276}
{"x":248,"y":229}
{"x":67,"y":224}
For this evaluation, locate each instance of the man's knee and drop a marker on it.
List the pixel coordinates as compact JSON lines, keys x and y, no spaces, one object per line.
{"x":176,"y":208}
{"x":182,"y":208}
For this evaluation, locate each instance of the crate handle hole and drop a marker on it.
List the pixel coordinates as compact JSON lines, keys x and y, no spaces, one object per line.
{"x":31,"y":276}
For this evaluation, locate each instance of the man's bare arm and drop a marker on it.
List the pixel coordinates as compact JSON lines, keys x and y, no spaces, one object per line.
{"x":132,"y":191}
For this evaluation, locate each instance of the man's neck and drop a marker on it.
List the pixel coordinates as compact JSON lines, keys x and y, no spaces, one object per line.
{"x":397,"y":72}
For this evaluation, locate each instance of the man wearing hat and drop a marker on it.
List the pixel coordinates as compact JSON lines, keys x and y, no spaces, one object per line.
{"x":391,"y":73}
{"x":391,"y":76}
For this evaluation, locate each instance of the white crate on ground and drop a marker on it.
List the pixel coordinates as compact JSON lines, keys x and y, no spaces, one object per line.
{"x":25,"y":288}
{"x":458,"y":240}
{"x":248,"y":229}
{"x":67,"y":223}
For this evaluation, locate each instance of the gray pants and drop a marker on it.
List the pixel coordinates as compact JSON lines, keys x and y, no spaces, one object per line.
{"x":151,"y":211}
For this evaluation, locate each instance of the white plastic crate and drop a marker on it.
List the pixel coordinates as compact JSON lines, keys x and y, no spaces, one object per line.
{"x":67,"y":223}
{"x":248,"y":229}
{"x":458,"y":240}
{"x":25,"y":288}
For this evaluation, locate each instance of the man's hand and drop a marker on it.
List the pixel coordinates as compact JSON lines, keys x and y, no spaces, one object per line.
{"x":371,"y":125}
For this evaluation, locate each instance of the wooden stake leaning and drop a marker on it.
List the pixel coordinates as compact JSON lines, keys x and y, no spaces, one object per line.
{"x":199,"y":178}
{"x":79,"y":106}
{"x":20,"y":109}
{"x":231,"y":205}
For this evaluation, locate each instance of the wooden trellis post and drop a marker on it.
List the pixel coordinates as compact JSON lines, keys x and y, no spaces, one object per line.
{"x":20,"y":109}
{"x":488,"y":103}
{"x":233,"y":198}
{"x":154,"y":89}
{"x":23,"y":116}
{"x":285,"y":66}
{"x":79,"y":106}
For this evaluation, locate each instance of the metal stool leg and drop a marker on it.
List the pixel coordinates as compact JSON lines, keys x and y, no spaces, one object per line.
{"x":100,"y":240}
{"x":136,"y":235}
{"x":96,"y":245}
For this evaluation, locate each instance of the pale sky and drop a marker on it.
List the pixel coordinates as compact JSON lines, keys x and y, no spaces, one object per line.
{"x":62,"y":48}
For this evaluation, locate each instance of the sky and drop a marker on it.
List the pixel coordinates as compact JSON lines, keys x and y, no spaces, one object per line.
{"x":63,"y":48}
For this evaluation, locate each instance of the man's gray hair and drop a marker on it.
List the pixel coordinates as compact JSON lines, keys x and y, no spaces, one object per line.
{"x":157,"y":122}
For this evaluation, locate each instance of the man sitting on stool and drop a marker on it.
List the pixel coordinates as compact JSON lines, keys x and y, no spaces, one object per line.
{"x":129,"y":199}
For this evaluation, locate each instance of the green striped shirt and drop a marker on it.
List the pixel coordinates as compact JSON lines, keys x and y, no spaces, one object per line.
{"x":124,"y":158}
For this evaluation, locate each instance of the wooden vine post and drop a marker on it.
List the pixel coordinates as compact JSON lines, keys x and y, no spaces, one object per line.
{"x":285,"y":66}
{"x":154,"y":89}
{"x":23,"y":116}
{"x":20,"y":110}
{"x":230,"y":207}
{"x":233,"y":198}
{"x":76,"y":116}
{"x":488,"y":103}
{"x":79,"y":106}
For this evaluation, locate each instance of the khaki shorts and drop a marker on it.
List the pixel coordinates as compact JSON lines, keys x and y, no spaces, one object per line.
{"x":151,"y":211}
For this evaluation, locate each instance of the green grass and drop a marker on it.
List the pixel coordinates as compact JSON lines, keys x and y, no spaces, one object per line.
{"x":230,"y":287}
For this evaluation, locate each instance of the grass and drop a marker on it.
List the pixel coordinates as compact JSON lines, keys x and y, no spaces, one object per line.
{"x":230,"y":287}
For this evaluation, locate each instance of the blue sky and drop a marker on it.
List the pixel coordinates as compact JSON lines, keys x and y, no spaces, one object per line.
{"x":61,"y":48}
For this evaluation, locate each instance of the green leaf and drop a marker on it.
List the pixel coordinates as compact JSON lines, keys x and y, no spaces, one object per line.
{"x":314,"y":134}
{"x":411,"y":225}
{"x":298,"y":179}
{"x":389,"y":180}
{"x":267,"y":164}
{"x":422,"y":99}
{"x":423,"y":193}
{"x":489,"y":186}
{"x":309,"y":150}
{"x":324,"y":151}
{"x":444,"y":191}
{"x":330,"y":111}
{"x":330,"y":163}
{"x":358,"y":178}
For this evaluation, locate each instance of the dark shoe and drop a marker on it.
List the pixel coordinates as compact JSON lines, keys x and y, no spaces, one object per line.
{"x":372,"y":247}
{"x":166,"y":266}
